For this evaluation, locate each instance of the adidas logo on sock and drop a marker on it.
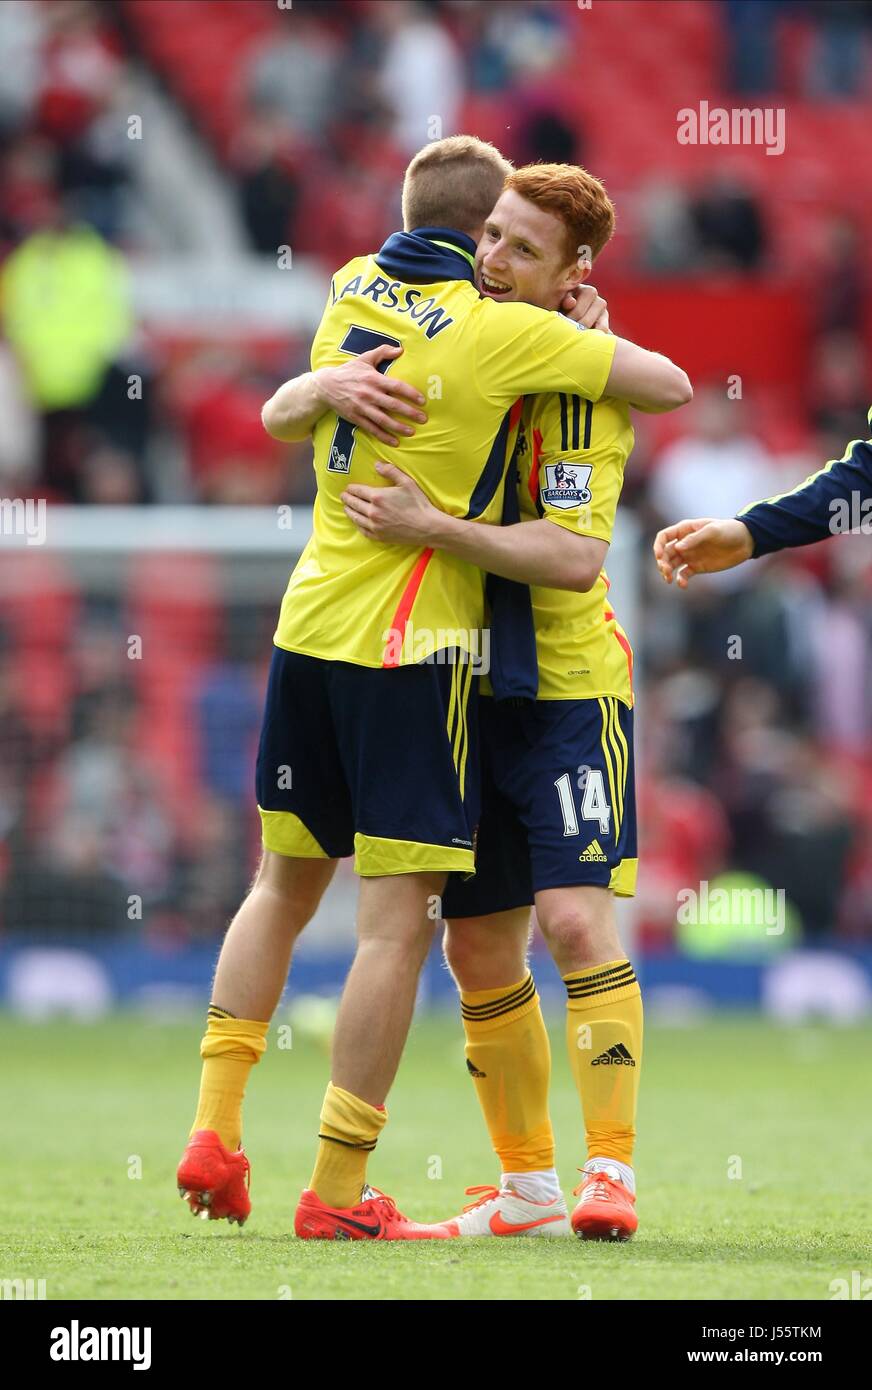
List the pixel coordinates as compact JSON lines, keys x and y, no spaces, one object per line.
{"x":474,"y":1071}
{"x":616,"y":1056}
{"x":593,"y":854}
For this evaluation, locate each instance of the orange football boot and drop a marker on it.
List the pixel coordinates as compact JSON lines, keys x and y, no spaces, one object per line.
{"x":607,"y":1208}
{"x":212,"y":1180}
{"x":375,"y":1217}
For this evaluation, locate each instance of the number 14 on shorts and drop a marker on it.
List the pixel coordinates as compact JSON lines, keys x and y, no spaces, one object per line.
{"x":594,"y":805}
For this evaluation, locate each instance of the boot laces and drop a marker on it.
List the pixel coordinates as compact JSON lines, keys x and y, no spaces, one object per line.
{"x":597,"y":1186}
{"x":387,"y":1206}
{"x":488,"y":1194}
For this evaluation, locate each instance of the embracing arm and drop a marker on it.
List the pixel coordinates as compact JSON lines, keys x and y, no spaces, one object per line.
{"x":647,"y":380}
{"x":532,"y":552}
{"x":361,"y":393}
{"x":295,"y":409}
{"x":525,"y":351}
{"x":356,"y":390}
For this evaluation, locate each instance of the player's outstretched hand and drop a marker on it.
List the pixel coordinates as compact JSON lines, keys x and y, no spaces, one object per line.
{"x":583,"y":305}
{"x":358,"y":392}
{"x":401,"y":512}
{"x":703,"y":546}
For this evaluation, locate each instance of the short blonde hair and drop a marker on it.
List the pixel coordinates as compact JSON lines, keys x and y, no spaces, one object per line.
{"x":453,"y":183}
{"x":574,"y":196}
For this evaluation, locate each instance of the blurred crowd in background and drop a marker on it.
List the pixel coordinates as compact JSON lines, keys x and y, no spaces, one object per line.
{"x":114,"y":774}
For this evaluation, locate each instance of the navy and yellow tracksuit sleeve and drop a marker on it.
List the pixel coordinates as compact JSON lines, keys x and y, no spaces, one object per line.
{"x":826,"y":503}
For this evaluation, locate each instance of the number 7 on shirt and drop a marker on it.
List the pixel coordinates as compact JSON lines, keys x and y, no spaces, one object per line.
{"x":356,"y":341}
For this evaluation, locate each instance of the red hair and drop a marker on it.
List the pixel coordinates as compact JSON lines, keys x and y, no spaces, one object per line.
{"x":574,"y":196}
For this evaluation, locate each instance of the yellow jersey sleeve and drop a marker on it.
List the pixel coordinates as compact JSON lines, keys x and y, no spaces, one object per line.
{"x":521,"y":350}
{"x":571,"y":460}
{"x":576,"y":464}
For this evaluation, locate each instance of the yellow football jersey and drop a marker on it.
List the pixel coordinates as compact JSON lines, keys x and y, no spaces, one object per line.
{"x":375,"y":604}
{"x":570,"y":459}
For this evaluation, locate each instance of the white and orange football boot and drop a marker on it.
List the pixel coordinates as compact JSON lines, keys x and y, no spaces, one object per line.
{"x":501,"y":1211}
{"x":607,"y":1210}
{"x":375,"y":1217}
{"x":214,"y":1181}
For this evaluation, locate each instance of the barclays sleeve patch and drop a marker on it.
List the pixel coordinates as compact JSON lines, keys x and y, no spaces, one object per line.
{"x":565,"y":485}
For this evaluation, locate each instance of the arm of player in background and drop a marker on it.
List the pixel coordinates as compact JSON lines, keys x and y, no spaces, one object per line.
{"x":836,"y":499}
{"x":532,"y":552}
{"x":827,"y":503}
{"x":356,"y":391}
{"x":705,"y":545}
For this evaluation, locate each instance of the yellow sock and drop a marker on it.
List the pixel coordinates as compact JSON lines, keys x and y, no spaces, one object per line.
{"x":509,"y":1058}
{"x":604,"y":1040}
{"x":350,"y":1128}
{"x":229,"y":1049}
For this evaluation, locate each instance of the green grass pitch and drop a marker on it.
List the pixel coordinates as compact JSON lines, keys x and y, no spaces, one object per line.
{"x":82,"y":1103}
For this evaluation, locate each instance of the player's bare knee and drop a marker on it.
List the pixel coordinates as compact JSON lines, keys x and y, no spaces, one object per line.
{"x":572,"y":935}
{"x":463,"y":956}
{"x":402,"y":943}
{"x":296,"y":886}
{"x":578,"y":925}
{"x":482,"y":957}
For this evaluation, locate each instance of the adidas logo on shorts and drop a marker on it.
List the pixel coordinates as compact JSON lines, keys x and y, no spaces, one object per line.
{"x":616,"y":1056}
{"x":593,"y":854}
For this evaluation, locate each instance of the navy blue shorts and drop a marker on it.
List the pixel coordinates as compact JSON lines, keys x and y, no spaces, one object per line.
{"x":557,"y":803}
{"x":380,"y":763}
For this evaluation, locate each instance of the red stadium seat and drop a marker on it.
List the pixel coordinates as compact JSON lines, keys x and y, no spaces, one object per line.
{"x":210,"y":90}
{"x":173,"y":603}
